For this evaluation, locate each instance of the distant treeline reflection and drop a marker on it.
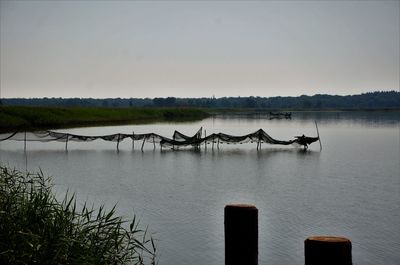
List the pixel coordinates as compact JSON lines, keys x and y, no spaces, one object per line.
{"x":380,"y":118}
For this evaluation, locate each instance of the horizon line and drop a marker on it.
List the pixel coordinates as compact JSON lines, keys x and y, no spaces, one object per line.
{"x":212,"y":97}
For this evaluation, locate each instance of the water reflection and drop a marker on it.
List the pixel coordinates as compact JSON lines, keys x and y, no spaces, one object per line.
{"x":343,"y":190}
{"x":368,"y":118}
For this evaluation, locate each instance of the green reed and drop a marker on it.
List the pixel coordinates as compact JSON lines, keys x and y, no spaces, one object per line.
{"x":36,"y":228}
{"x":14,"y":118}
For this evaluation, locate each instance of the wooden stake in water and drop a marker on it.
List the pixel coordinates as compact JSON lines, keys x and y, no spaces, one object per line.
{"x":205,"y":141}
{"x":154,"y":143}
{"x":25,"y":142}
{"x":66,"y":143}
{"x":319,"y":138}
{"x":119,"y":136}
{"x":198,"y":136}
{"x":327,"y":250}
{"x":144,"y":139}
{"x":133,"y":140}
{"x":241,"y":234}
{"x":173,"y":138}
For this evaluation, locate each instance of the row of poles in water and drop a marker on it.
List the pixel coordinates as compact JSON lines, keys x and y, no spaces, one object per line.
{"x":197,"y":146}
{"x":194,"y":141}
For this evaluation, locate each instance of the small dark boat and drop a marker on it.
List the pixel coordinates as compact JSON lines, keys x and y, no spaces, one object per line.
{"x":280,"y":115}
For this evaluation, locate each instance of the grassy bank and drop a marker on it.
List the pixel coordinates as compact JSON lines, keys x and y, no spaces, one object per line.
{"x":33,"y":118}
{"x":36,"y":228}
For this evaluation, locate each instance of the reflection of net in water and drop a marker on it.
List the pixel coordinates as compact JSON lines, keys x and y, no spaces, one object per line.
{"x":178,"y":139}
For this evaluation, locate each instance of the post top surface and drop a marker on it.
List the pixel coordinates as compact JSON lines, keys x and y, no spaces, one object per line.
{"x":330,"y":239}
{"x":249,"y":206}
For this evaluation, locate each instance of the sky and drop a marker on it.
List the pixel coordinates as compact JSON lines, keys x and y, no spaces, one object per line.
{"x":109,"y":49}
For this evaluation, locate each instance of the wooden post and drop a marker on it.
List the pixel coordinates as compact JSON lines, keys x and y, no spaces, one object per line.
{"x":199,"y":137}
{"x":154,"y":143}
{"x":119,"y":136}
{"x":25,"y":142}
{"x":173,"y":138}
{"x":133,"y":140}
{"x":319,"y":138}
{"x":205,"y":141}
{"x":218,"y":143}
{"x":66,"y":143}
{"x":327,"y":250}
{"x":241,"y":234}
{"x":213,"y":139}
{"x":144,"y":139}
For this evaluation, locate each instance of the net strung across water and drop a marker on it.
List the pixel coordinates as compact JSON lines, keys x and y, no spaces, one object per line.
{"x":178,"y":139}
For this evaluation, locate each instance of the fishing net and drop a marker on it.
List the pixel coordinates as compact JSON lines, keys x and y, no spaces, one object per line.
{"x":178,"y":139}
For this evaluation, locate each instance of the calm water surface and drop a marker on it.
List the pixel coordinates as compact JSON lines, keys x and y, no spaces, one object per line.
{"x":351,"y":188}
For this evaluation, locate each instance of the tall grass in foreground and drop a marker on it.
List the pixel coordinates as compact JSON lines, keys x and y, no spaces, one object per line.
{"x":36,"y":228}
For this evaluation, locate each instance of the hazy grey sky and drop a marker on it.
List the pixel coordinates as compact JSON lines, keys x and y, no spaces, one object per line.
{"x":197,"y":48}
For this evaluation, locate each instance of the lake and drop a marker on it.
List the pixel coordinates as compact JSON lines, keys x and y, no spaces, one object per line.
{"x":351,"y":188}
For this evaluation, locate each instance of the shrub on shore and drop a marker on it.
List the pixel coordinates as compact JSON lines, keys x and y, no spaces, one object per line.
{"x":36,"y":228}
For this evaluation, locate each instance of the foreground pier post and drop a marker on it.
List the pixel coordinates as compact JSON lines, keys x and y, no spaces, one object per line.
{"x":241,"y":234}
{"x":327,"y":250}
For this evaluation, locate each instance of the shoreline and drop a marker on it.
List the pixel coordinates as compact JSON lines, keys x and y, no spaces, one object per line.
{"x":21,"y":118}
{"x":28,"y":118}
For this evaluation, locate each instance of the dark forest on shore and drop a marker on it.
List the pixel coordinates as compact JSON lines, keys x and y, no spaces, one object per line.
{"x":370,"y":100}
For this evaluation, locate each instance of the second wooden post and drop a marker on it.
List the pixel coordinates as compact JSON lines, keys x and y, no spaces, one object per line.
{"x":241,"y":234}
{"x":327,"y":250}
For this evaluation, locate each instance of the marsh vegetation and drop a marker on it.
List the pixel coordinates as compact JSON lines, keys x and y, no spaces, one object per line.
{"x":36,"y":228}
{"x":32,"y":118}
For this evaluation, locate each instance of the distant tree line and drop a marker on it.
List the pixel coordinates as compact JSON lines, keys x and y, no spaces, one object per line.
{"x":370,"y":100}
{"x":79,"y":102}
